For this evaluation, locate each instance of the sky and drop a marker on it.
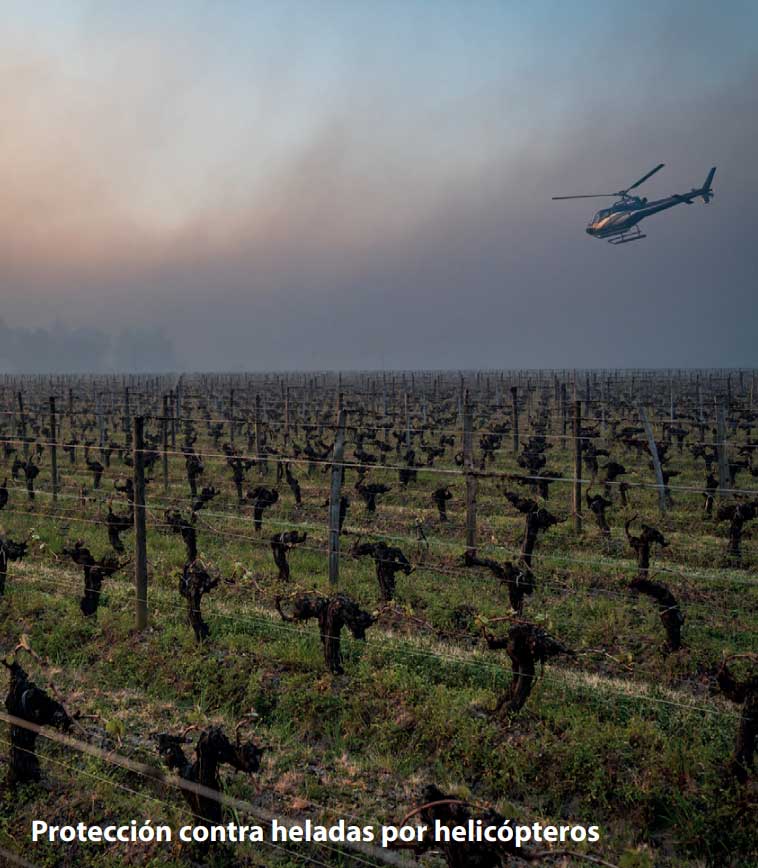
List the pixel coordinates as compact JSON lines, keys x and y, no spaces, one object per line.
{"x":355,"y":184}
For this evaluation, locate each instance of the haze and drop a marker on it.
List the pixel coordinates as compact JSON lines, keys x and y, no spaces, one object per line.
{"x":299,"y":185}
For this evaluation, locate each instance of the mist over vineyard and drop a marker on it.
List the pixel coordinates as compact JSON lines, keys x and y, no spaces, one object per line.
{"x":45,"y":350}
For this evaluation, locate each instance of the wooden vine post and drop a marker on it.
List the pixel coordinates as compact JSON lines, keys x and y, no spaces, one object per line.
{"x":231,"y":417}
{"x":164,"y":442}
{"x":174,"y":417}
{"x":71,"y":413}
{"x":334,"y":499}
{"x":577,"y":493}
{"x":140,"y":532}
{"x":471,"y":480}
{"x":721,"y":449}
{"x":287,"y":416}
{"x":21,"y":428}
{"x":259,"y":437}
{"x":127,"y":419}
{"x":178,"y":399}
{"x":53,"y":450}
{"x":700,"y":414}
{"x":514,"y":398}
{"x":656,"y":460}
{"x":100,"y":419}
{"x":564,"y":413}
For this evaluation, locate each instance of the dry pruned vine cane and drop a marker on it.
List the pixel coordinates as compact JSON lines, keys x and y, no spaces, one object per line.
{"x":744,"y":693}
{"x":333,"y":613}
{"x":526,"y":644}
{"x":29,"y":702}
{"x":213,"y":750}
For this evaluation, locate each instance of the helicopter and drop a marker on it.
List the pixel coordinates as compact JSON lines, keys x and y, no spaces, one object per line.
{"x":619,"y":224}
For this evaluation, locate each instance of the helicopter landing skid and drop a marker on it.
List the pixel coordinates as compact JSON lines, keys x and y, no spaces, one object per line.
{"x":626,"y":237}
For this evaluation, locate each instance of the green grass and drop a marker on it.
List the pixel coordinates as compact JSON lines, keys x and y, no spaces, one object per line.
{"x":612,"y":740}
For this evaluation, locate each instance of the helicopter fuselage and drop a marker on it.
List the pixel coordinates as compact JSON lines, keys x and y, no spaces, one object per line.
{"x":622,"y":217}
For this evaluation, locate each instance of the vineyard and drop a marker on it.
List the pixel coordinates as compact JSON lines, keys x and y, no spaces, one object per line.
{"x":507,"y":594}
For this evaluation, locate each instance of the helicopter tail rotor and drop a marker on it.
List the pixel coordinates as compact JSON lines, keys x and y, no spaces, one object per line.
{"x":707,"y":192}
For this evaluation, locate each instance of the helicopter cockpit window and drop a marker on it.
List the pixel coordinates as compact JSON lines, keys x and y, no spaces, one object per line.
{"x":600,"y":215}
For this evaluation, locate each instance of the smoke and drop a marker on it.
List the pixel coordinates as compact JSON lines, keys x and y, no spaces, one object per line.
{"x":391,"y":211}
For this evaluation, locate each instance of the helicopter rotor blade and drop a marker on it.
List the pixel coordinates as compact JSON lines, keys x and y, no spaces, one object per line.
{"x":644,"y":178}
{"x":587,"y":196}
